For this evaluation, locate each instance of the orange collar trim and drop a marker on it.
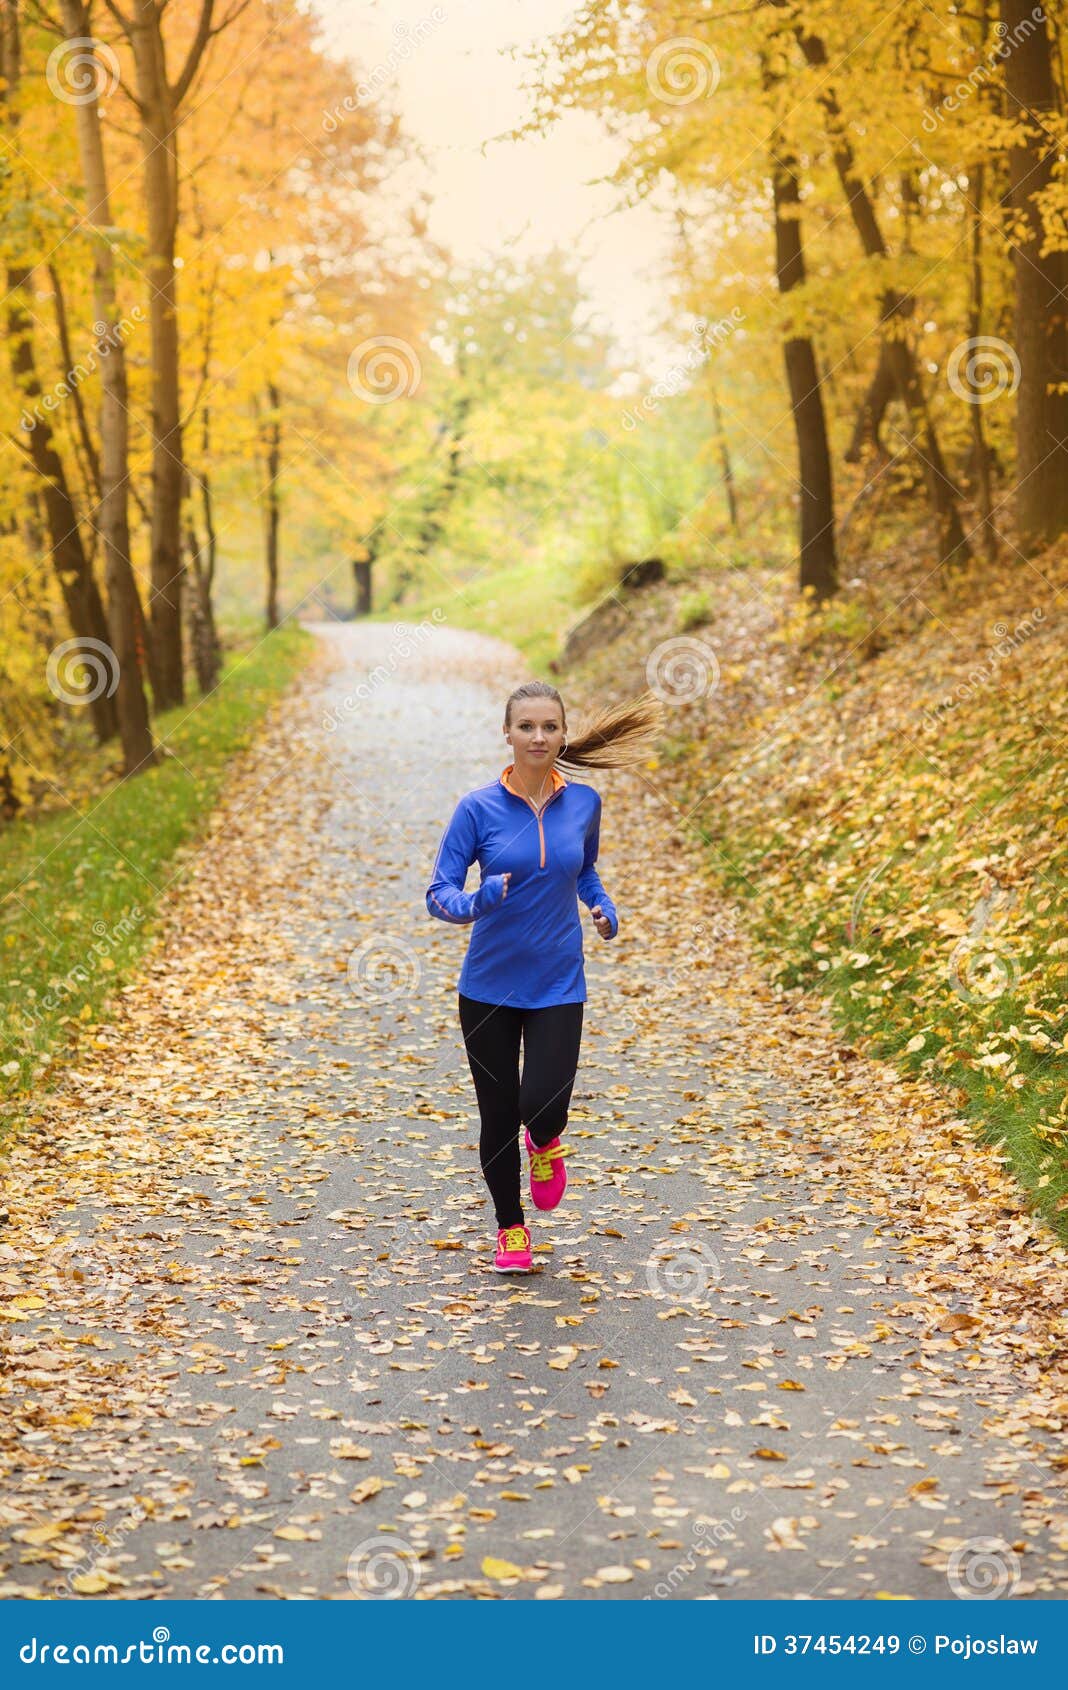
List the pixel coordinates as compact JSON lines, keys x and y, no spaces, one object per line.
{"x":558,"y":782}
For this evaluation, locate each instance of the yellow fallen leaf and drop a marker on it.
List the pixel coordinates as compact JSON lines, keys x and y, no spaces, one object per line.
{"x":615,"y":1575}
{"x":90,"y":1584}
{"x":565,"y":1355}
{"x":41,"y":1534}
{"x":493,"y":1568}
{"x":366,"y":1488}
{"x":957,"y":1323}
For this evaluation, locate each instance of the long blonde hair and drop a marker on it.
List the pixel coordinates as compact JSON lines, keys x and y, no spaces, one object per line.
{"x":617,"y":737}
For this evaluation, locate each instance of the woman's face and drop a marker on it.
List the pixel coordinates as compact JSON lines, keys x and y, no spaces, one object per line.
{"x":536,"y":732}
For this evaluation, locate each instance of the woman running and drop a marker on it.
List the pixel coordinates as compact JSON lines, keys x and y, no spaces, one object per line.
{"x":535,"y":836}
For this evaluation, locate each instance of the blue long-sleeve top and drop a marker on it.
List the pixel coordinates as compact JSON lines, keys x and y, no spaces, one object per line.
{"x":526,"y":947}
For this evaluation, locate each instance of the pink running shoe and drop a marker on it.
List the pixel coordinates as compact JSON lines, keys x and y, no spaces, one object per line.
{"x":548,"y":1176}
{"x":513,"y":1250}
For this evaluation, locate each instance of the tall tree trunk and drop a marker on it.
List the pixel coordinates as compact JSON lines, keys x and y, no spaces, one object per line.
{"x":123,"y":604}
{"x":867,"y":429}
{"x":271,"y":429}
{"x":91,"y":470}
{"x":207,"y":650}
{"x":159,"y":103}
{"x":159,"y":142}
{"x":81,"y":596}
{"x":1041,"y":334}
{"x":205,"y":642}
{"x":361,"y":569}
{"x":981,"y":453}
{"x":819,"y":563}
{"x":895,"y":306}
{"x":726,"y":467}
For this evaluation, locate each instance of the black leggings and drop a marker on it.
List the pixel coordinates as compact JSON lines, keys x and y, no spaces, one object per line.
{"x":538,"y":1100}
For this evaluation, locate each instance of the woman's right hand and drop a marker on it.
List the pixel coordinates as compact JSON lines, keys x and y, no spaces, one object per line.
{"x":496,"y":883}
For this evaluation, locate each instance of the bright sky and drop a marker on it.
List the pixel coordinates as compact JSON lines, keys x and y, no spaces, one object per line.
{"x":456,"y":85}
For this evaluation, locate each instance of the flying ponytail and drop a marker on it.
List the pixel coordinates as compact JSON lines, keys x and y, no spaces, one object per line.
{"x":617,"y":737}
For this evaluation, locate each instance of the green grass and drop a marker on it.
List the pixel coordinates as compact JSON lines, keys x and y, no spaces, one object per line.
{"x":81,"y":886}
{"x":530,"y":604}
{"x":904,"y":991}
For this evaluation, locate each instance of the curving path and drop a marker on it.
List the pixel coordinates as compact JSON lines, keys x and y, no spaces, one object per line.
{"x":253,"y":1343}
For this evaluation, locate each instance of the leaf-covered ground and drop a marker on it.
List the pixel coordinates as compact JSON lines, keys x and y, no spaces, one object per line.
{"x":792,"y":1332}
{"x":884,"y":787}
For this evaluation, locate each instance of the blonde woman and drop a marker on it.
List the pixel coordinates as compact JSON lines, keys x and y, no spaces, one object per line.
{"x":535,"y":835}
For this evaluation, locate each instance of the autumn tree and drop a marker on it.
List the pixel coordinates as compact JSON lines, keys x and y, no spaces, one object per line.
{"x":73,"y":566}
{"x":1035,"y":155}
{"x":112,"y":514}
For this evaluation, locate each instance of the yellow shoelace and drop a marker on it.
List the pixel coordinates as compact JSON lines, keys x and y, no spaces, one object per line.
{"x":541,"y":1163}
{"x":515,"y":1238}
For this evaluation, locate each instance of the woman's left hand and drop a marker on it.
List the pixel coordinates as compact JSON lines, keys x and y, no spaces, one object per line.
{"x":602,"y":922}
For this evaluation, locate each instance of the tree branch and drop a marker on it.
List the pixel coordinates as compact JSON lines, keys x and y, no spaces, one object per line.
{"x":196,"y":52}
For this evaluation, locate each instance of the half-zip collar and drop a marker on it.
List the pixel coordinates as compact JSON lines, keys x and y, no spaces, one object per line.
{"x":558,"y":785}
